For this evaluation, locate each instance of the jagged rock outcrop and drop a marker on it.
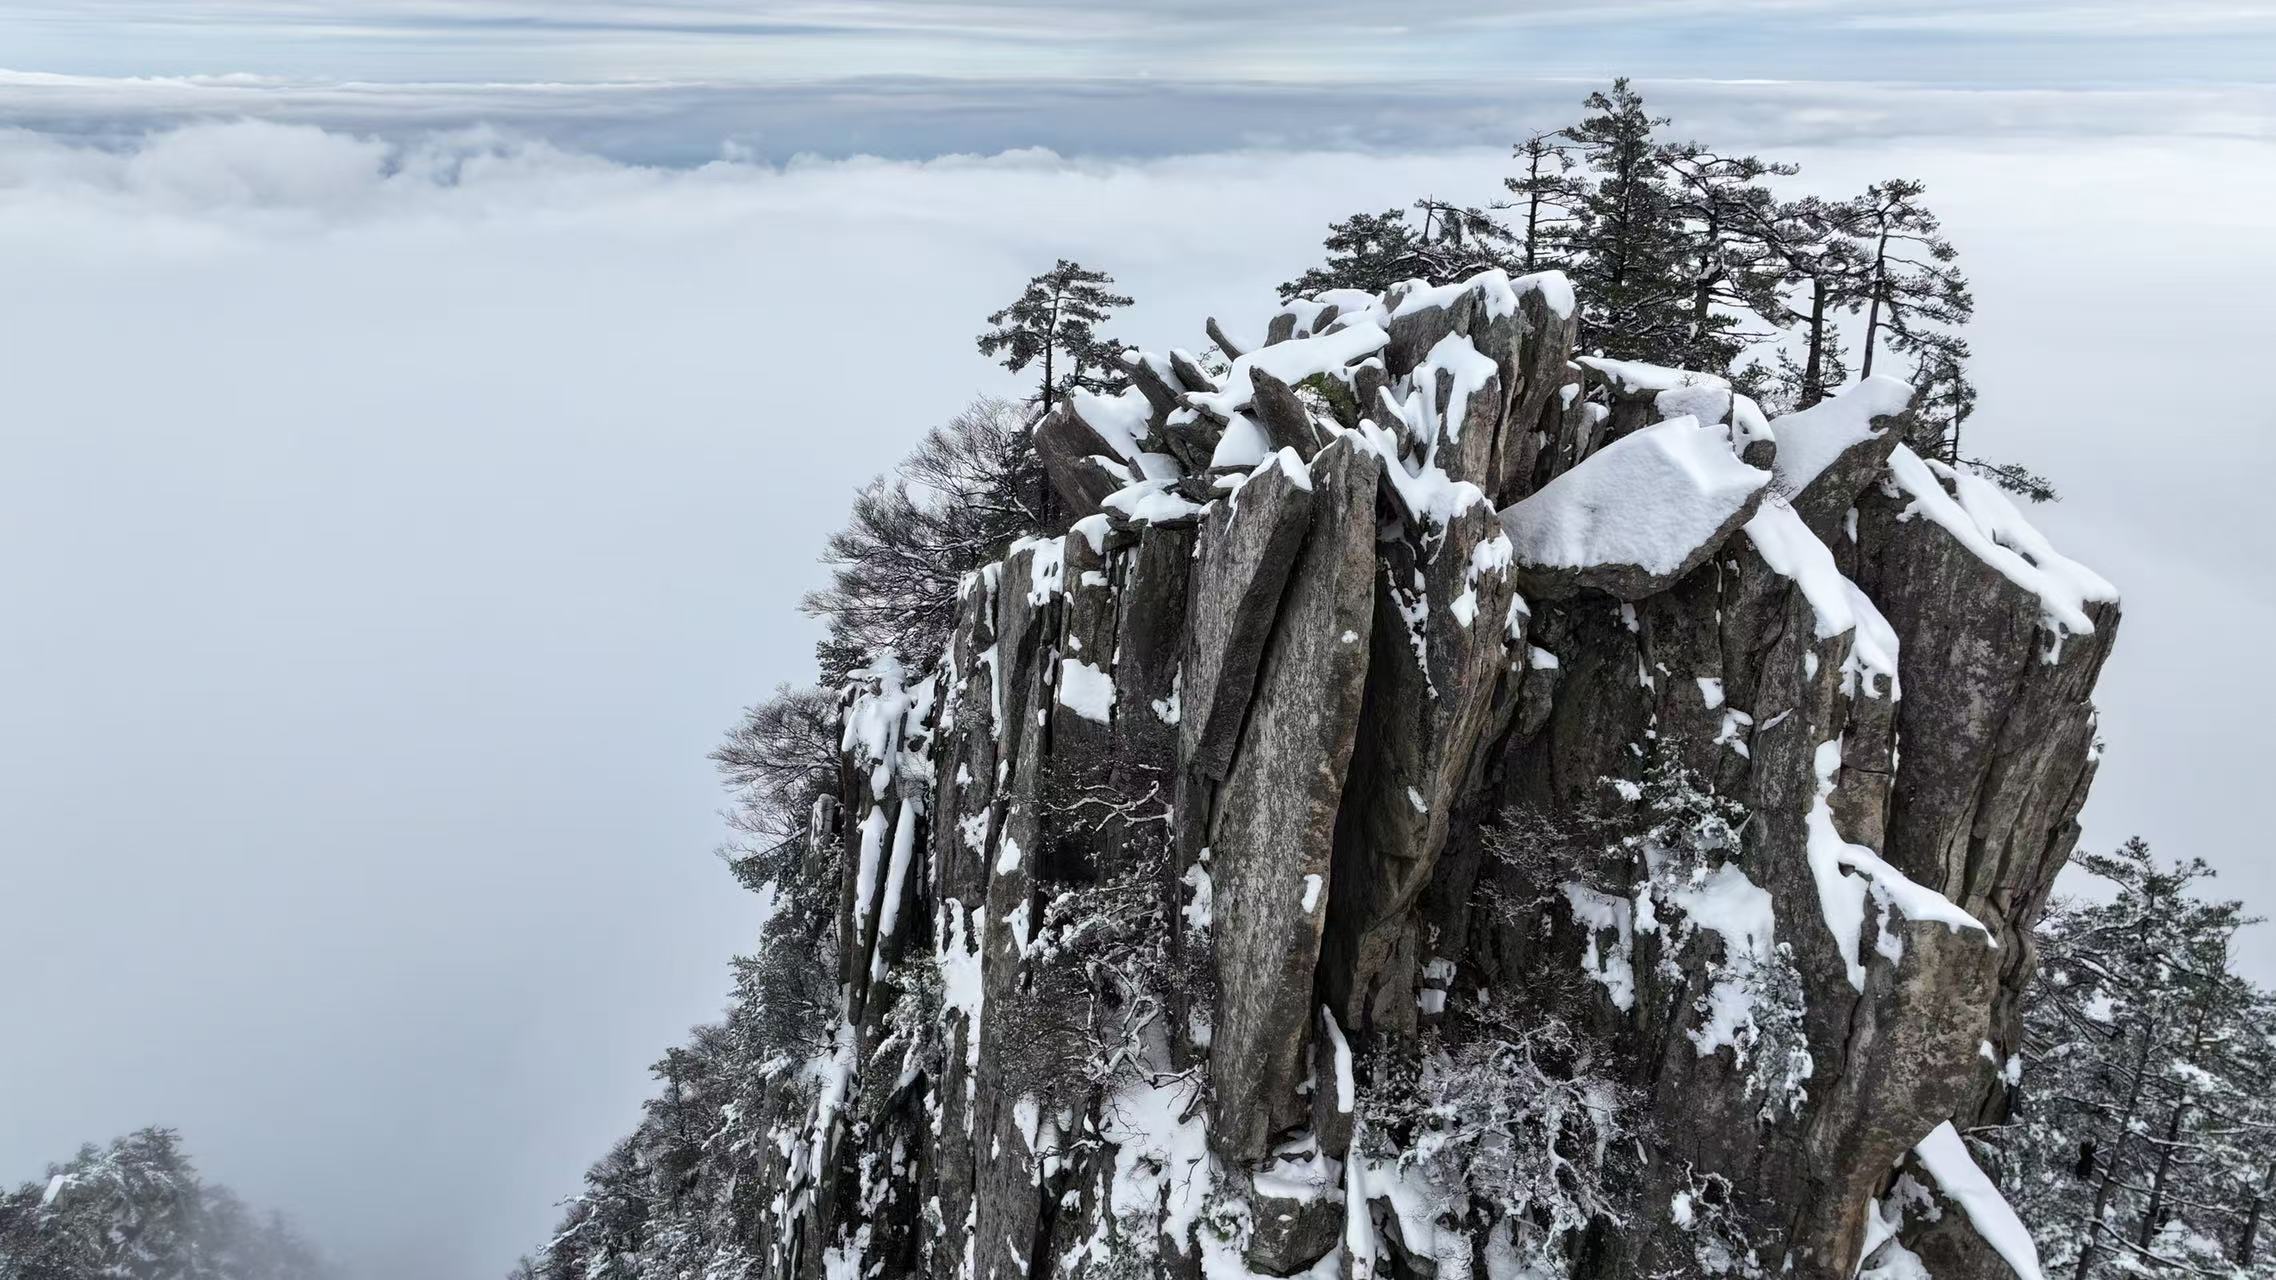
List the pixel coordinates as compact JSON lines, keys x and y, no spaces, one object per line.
{"x":1447,"y":809}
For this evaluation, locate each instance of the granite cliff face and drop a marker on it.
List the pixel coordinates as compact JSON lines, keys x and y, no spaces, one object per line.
{"x":1447,"y":808}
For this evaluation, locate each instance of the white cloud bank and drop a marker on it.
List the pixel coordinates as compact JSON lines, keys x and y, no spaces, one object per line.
{"x":687,"y":120}
{"x":388,"y":528}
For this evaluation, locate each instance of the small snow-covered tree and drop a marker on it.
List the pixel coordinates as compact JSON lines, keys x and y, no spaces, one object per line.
{"x":1054,"y":322}
{"x":1372,"y":252}
{"x":1522,"y":1125}
{"x":1101,"y":968}
{"x":2141,"y":1134}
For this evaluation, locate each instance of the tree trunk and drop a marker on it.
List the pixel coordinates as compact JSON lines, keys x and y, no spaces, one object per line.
{"x":1873,"y":313}
{"x":1050,"y":347}
{"x":2125,"y":1127}
{"x":1814,"y":369}
{"x":2251,"y":1233}
{"x":1533,"y":214}
{"x":2155,"y":1210}
{"x":2156,"y":1207}
{"x":1703,"y":291}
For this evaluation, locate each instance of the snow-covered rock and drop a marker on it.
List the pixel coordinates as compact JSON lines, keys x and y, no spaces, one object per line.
{"x":1636,"y":516}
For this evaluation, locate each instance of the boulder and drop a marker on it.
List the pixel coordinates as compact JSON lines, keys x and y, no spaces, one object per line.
{"x":1634,"y":518}
{"x":1082,"y":467}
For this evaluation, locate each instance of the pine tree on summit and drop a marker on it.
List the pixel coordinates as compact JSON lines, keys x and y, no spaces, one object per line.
{"x":1544,"y":197}
{"x":1630,"y":267}
{"x":1913,"y":293}
{"x":1374,"y":251}
{"x":1055,"y":320}
{"x":1727,"y":218}
{"x":1823,"y":272}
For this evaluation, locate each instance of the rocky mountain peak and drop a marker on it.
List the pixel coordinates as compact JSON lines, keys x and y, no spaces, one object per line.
{"x":1447,"y":808}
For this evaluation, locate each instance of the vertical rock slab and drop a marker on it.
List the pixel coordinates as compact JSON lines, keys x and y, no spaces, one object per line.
{"x":1442,"y":606}
{"x":1997,"y":728}
{"x":1075,"y":797}
{"x":1996,"y":718}
{"x":1248,"y":548}
{"x":1144,"y":776}
{"x":1006,"y":1210}
{"x":1272,"y":834}
{"x":1149,"y":641}
{"x":1462,"y":346}
{"x":965,"y":793}
{"x":1538,"y":401}
{"x":960,"y":840}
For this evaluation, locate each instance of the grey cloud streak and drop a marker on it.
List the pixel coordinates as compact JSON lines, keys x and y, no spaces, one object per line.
{"x":911,"y":117}
{"x":1338,"y":41}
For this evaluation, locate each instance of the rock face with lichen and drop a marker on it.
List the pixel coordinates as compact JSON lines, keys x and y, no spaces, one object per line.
{"x":1448,"y":809}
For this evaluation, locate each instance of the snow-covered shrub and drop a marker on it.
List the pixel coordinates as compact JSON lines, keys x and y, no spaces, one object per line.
{"x":911,"y":1043}
{"x":1685,"y":843}
{"x":1705,"y":1211}
{"x":1526,"y":1123}
{"x":1098,"y":973}
{"x":784,"y":997}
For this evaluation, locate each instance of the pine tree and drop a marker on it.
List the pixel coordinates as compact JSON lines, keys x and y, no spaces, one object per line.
{"x":1912,"y":291}
{"x":1545,"y":196}
{"x":1373,"y":251}
{"x":1055,"y":321}
{"x":1629,"y":262}
{"x":1461,"y":240}
{"x":1821,"y":276}
{"x":2141,"y":1133}
{"x":1728,"y":217}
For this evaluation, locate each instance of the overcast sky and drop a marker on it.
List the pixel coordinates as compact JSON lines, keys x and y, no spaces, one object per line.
{"x":418,"y":422}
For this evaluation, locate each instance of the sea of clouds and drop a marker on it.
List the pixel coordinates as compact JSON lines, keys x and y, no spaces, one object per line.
{"x":391,"y":519}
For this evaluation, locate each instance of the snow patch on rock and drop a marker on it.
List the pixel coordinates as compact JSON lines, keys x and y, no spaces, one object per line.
{"x":1649,"y":499}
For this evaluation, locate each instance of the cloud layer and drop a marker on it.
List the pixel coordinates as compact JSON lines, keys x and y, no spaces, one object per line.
{"x":390,"y":524}
{"x":906,"y":117}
